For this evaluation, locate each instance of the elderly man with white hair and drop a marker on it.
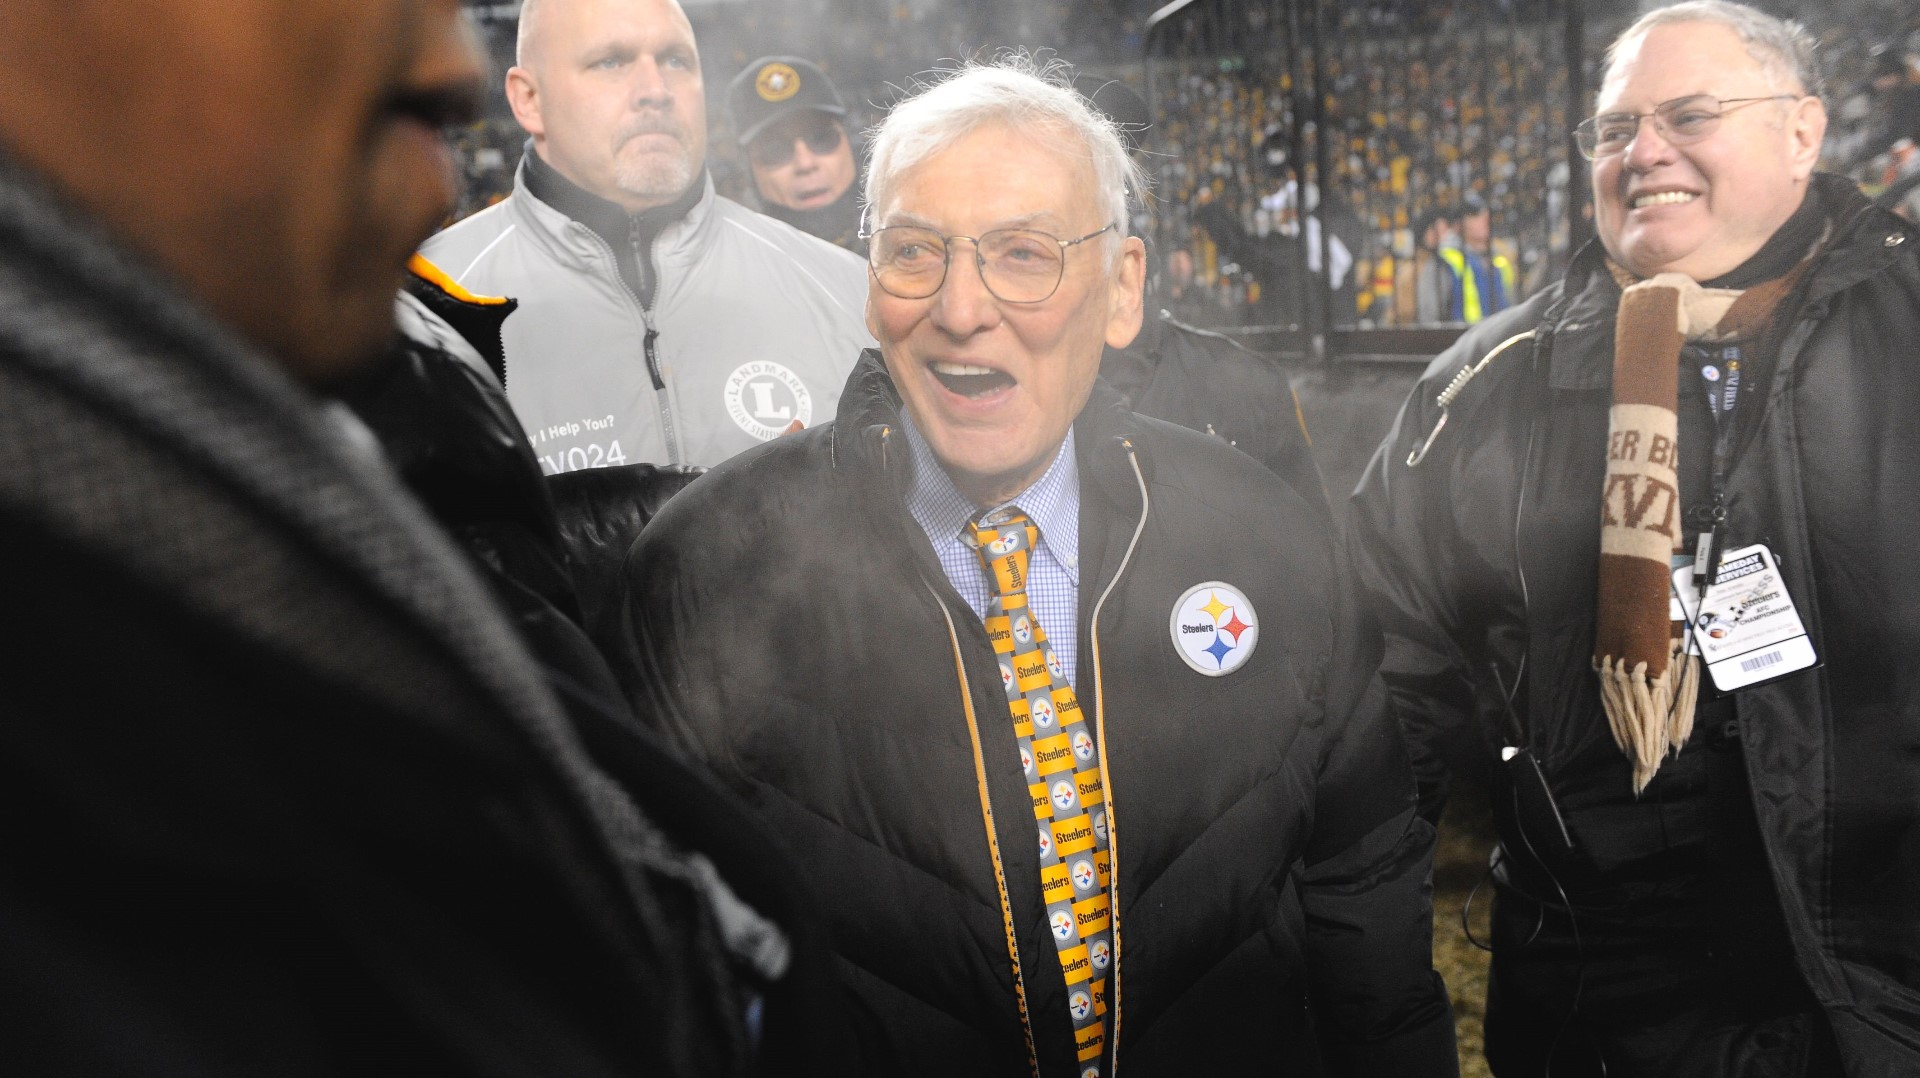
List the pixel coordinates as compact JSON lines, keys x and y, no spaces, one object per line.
{"x":1646,"y":536}
{"x":1066,"y":710}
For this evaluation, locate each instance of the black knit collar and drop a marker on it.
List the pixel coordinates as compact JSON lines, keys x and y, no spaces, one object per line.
{"x":609,"y":220}
{"x":1786,"y":248}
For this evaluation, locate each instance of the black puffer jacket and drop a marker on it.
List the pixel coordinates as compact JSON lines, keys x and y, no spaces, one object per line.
{"x":1483,"y":559}
{"x":790,"y":624}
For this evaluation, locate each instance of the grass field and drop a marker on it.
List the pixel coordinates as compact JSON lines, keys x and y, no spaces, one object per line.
{"x":1466,"y":836}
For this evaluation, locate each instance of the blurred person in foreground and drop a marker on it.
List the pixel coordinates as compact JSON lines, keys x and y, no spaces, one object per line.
{"x":791,"y":125}
{"x":1654,"y":566}
{"x":1064,"y":708}
{"x":282,"y":789}
{"x":658,"y":321}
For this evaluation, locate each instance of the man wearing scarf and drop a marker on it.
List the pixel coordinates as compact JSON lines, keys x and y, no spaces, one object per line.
{"x":1689,"y":880}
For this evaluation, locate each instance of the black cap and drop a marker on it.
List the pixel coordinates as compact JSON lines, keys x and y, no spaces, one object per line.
{"x":774,"y":86}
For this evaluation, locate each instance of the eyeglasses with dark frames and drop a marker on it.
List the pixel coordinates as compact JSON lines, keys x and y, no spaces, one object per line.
{"x":1018,"y":265}
{"x":1681,"y":121}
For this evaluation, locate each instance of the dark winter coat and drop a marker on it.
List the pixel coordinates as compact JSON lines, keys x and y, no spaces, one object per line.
{"x":281,"y":790}
{"x":1482,"y":562}
{"x":791,"y":626}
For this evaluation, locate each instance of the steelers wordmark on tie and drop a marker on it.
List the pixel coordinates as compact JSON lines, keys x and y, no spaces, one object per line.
{"x":1214,"y":628}
{"x":764,"y":398}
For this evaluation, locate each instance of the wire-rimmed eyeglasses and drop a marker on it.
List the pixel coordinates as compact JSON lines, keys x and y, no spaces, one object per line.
{"x":1679,"y":121}
{"x":1018,"y":265}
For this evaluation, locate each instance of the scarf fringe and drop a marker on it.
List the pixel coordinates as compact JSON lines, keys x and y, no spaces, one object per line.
{"x":1651,"y":717}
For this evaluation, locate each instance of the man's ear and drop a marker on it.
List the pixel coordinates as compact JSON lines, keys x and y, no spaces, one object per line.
{"x":523,"y":93}
{"x":1806,"y":128}
{"x":1125,"y":285}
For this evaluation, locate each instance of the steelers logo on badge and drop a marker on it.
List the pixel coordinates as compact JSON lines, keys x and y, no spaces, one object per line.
{"x":1080,"y":1004}
{"x":776,"y":82}
{"x":1214,"y":628}
{"x":1062,"y":922}
{"x":765,"y":399}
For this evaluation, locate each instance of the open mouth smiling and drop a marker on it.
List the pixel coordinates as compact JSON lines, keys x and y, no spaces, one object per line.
{"x":969,"y":380}
{"x":1660,"y":198}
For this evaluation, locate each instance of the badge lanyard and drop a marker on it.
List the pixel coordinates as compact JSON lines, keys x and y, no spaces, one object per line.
{"x":1721,"y":372}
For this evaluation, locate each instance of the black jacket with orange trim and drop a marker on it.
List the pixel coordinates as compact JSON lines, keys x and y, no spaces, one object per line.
{"x":787,"y":622}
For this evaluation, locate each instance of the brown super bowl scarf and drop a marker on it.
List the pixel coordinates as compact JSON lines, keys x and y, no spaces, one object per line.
{"x":1648,"y":682}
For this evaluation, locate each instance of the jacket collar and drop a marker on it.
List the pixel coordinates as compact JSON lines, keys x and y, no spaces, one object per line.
{"x":685,"y":228}
{"x":1860,"y":244}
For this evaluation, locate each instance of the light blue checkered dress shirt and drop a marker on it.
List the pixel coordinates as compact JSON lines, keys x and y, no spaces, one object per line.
{"x":1053,"y":571}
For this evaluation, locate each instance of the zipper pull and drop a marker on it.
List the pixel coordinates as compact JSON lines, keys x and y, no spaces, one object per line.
{"x":653,"y":362}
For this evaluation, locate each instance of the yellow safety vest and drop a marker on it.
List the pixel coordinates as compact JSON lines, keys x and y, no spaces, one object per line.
{"x":1469,"y":288}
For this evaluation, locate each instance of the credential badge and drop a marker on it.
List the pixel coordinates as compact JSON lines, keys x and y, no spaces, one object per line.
{"x":1214,"y":628}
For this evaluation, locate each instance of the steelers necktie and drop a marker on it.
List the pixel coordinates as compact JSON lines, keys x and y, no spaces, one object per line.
{"x":1062,"y":762}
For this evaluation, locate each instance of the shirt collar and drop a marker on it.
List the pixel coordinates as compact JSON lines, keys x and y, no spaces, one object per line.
{"x":1052,"y":502}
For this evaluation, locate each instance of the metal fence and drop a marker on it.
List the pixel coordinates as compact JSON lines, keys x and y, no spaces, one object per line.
{"x":1407,"y":108}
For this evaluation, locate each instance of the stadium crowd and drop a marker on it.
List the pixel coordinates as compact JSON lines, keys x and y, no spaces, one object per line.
{"x":1427,"y":106}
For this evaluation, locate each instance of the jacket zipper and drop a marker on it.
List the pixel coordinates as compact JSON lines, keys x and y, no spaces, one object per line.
{"x":646,"y":342}
{"x":643,"y":262}
{"x":1106,"y":779}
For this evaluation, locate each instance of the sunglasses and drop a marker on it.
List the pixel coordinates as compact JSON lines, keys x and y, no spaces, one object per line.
{"x":774,"y":148}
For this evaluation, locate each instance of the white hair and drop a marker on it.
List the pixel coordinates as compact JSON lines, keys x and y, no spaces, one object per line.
{"x":1782,"y":46}
{"x":1022,"y":93}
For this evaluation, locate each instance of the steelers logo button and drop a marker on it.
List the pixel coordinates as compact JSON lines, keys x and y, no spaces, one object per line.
{"x":1214,"y":628}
